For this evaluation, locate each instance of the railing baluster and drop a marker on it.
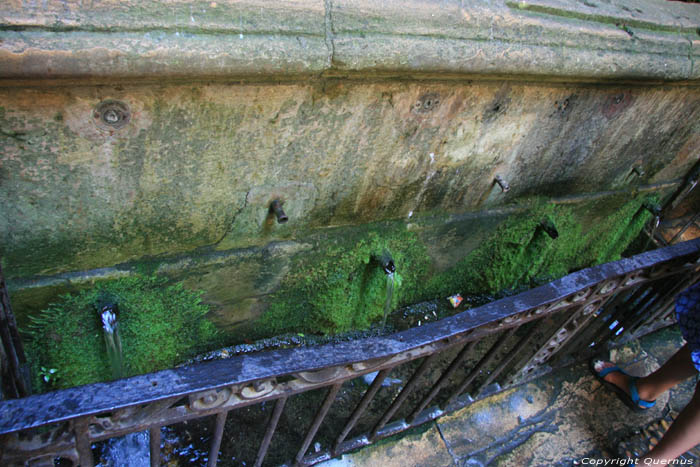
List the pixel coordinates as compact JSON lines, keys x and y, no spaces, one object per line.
{"x":630,"y":310}
{"x":666,"y":310}
{"x":271,"y":427}
{"x":82,"y":443}
{"x":648,"y":302}
{"x":657,"y":278}
{"x":359,"y":410}
{"x":514,"y":352}
{"x":404,"y":393}
{"x":332,"y":392}
{"x":485,"y":360}
{"x":154,"y":445}
{"x":216,"y":440}
{"x":581,"y":342}
{"x":577,"y":321}
{"x":454,"y":366}
{"x":660,"y":305}
{"x":664,"y":304}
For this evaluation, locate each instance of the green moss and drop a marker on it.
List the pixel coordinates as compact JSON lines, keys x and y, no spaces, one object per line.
{"x":160,"y":325}
{"x":344,"y":288}
{"x":520,"y":253}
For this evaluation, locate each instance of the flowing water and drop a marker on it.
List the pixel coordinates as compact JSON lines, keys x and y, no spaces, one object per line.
{"x":130,"y":450}
{"x":389,"y":295}
{"x":113,"y":341}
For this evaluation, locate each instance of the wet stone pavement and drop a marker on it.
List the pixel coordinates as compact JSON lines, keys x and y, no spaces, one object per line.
{"x":557,"y":420}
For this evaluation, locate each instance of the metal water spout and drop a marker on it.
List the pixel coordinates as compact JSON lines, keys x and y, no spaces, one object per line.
{"x":550,"y":229}
{"x":500,"y":181}
{"x":276,"y":208}
{"x":387,"y":263}
{"x":655,"y":210}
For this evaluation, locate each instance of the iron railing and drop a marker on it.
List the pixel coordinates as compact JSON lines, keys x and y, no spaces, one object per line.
{"x":447,"y":364}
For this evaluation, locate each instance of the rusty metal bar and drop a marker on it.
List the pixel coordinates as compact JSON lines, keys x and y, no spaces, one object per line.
{"x":144,"y":389}
{"x":514,"y":352}
{"x":632,"y":309}
{"x":664,"y":306}
{"x":82,"y":443}
{"x":581,"y":342}
{"x":149,"y":401}
{"x":332,"y":392}
{"x":271,"y":427}
{"x":661,"y":305}
{"x":412,"y":383}
{"x":215,"y":446}
{"x":362,"y":406}
{"x":578,"y":320}
{"x":620,"y":313}
{"x":680,"y":233}
{"x":154,"y":445}
{"x":12,"y":348}
{"x":444,"y":379}
{"x":485,"y":360}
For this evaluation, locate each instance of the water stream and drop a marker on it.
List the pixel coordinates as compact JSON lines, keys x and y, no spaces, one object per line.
{"x":112,"y":340}
{"x":129,"y":450}
{"x":389,"y":296}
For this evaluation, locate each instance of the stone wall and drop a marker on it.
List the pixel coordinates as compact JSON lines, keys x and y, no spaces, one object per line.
{"x":350,"y":112}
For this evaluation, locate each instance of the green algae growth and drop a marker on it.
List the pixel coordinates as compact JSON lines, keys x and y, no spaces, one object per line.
{"x":160,"y":325}
{"x":344,"y":288}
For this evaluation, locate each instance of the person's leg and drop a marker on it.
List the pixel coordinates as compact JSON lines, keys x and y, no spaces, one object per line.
{"x":678,"y":368}
{"x":682,"y":435}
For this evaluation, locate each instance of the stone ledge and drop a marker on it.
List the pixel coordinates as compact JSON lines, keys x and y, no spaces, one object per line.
{"x":546,"y":39}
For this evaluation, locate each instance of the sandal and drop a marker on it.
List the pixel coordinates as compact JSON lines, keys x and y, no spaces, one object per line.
{"x":631,"y":400}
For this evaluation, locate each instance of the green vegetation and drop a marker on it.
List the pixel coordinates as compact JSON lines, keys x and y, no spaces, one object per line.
{"x":520,"y":253}
{"x":343,"y":287}
{"x":339,"y":288}
{"x":160,"y":325}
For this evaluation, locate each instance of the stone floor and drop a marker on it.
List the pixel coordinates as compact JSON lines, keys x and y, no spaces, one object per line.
{"x":557,"y":420}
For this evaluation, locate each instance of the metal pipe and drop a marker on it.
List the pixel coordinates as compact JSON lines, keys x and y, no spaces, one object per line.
{"x":653,"y":208}
{"x":387,"y":263}
{"x":550,"y":229}
{"x":503,"y":184}
{"x":276,"y":208}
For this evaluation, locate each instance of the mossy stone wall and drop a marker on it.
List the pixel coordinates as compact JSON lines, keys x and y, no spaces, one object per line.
{"x":184,"y":188}
{"x":198,"y":165}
